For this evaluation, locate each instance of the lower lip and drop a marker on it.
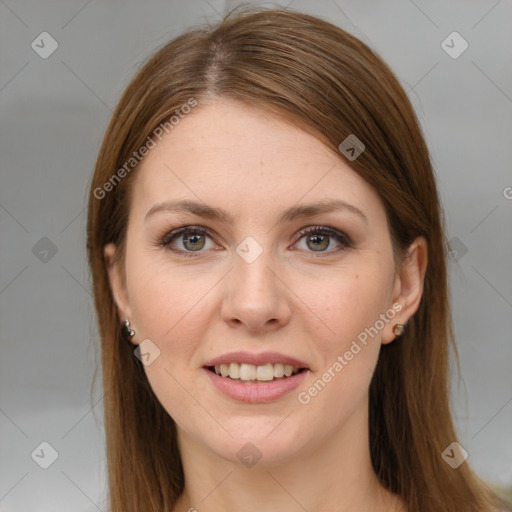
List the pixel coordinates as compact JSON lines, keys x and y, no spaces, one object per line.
{"x":256,"y":392}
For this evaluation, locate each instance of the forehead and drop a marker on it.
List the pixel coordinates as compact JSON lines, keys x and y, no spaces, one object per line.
{"x":230,"y":153}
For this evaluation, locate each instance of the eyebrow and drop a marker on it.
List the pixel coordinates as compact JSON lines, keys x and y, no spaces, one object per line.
{"x":299,"y":211}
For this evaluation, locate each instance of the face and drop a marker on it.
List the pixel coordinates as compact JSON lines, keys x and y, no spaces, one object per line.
{"x":306,"y":286}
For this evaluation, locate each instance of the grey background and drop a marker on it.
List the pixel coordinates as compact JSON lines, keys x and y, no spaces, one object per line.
{"x":53,"y":115}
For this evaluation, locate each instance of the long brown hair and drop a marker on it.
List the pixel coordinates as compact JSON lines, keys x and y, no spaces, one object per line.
{"x":324,"y":80}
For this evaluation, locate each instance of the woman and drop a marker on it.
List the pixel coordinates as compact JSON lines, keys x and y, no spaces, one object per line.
{"x":269,"y":265}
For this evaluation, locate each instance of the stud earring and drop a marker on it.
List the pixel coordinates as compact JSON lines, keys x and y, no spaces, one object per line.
{"x":398,"y":329}
{"x":127,"y":330}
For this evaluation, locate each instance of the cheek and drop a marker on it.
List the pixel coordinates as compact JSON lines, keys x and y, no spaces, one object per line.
{"x":347,"y":303}
{"x":166,"y":298}
{"x":173,"y":314}
{"x":350,"y":306}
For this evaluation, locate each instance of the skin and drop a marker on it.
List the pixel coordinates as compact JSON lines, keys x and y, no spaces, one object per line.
{"x":293,"y":299}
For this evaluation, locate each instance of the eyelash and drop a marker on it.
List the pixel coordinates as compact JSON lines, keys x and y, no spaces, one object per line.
{"x":342,"y":238}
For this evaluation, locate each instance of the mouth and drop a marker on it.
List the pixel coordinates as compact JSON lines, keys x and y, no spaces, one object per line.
{"x":250,"y":373}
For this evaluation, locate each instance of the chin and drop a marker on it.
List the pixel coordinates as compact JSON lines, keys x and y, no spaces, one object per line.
{"x":266,"y":441}
{"x":260,"y":452}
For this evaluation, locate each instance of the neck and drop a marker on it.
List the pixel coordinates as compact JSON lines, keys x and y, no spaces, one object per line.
{"x":335,"y":474}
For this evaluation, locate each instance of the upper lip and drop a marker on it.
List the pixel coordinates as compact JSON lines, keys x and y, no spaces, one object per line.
{"x":256,"y":359}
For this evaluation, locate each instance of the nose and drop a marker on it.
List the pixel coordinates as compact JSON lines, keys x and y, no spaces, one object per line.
{"x":255,"y":296}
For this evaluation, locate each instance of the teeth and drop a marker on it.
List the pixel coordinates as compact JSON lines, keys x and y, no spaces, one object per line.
{"x":251,"y":372}
{"x":265,"y":372}
{"x":278,"y":370}
{"x":247,"y":371}
{"x":234,"y":371}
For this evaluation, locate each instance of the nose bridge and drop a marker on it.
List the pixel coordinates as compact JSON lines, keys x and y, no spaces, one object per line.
{"x":251,"y":271}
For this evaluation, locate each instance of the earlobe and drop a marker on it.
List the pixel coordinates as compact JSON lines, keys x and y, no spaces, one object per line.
{"x":408,"y":288}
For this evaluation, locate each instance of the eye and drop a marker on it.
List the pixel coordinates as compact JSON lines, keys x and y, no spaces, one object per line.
{"x":319,"y":238}
{"x":191,"y":239}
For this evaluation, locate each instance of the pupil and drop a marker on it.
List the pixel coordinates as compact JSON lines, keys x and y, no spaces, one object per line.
{"x":193,"y":240}
{"x":319,"y":238}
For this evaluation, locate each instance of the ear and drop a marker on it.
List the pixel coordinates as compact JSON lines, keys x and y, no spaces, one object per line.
{"x":117,"y":282}
{"x":408,"y":286}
